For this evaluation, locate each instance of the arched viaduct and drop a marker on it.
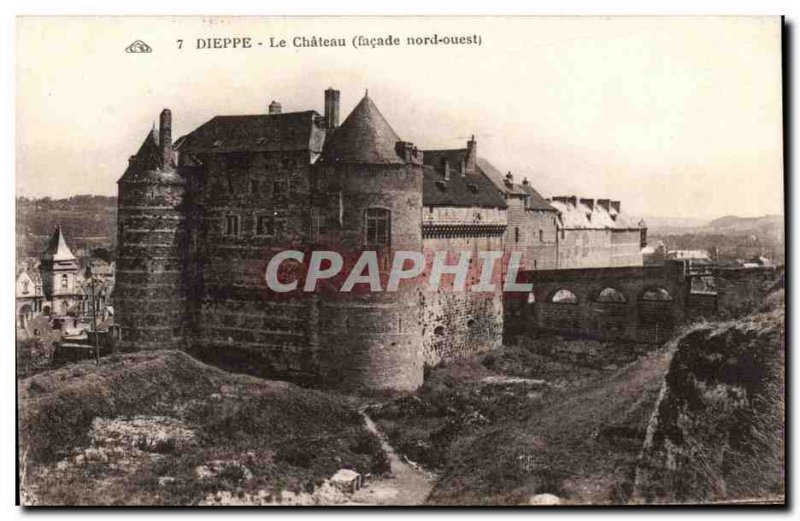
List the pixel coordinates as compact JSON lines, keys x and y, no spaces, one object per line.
{"x":642,"y":304}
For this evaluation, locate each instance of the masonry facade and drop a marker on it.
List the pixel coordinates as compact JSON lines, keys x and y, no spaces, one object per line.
{"x":200,"y":219}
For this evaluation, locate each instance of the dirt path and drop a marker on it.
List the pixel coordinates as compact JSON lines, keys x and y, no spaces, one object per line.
{"x":407,"y":485}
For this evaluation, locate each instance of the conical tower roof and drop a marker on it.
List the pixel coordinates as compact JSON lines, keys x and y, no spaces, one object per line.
{"x":365,"y":137}
{"x":57,"y":249}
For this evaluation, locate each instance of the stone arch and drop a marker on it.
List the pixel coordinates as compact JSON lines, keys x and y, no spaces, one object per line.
{"x":655,"y":294}
{"x":563,"y":296}
{"x":610,"y":295}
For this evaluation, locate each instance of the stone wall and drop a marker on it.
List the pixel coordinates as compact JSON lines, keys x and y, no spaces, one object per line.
{"x":742,"y":290}
{"x":149,"y":288}
{"x":234,"y":312}
{"x":533,"y":233}
{"x":584,"y":248}
{"x":461,"y":323}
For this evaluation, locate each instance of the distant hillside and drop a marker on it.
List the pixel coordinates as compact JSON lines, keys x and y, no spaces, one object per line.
{"x":732,"y":237}
{"x":735,"y":224}
{"x":88,"y":221}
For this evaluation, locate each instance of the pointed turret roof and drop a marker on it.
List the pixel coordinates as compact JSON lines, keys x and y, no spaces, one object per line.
{"x":57,"y":249}
{"x":147,"y":165}
{"x":364,"y":137}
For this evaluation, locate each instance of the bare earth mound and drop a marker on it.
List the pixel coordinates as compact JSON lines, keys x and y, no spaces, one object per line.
{"x":161,"y":428}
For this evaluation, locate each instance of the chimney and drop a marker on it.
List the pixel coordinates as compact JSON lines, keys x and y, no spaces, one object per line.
{"x":509,"y":179}
{"x":525,"y":181}
{"x":589,"y":203}
{"x":332,"y":108}
{"x":165,"y":138}
{"x":615,"y":206}
{"x":462,"y":166}
{"x":275,"y":107}
{"x":472,"y":155}
{"x":604,"y":204}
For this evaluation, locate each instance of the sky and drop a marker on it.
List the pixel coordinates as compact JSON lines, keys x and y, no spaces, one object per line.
{"x":674,"y":116}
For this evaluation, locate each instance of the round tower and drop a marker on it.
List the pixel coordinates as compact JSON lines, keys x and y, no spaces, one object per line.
{"x":369,"y":186}
{"x":149,"y":294}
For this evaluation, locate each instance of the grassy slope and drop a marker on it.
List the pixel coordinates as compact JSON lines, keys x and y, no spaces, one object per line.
{"x":288,"y":437}
{"x":718,"y":432}
{"x":500,"y":444}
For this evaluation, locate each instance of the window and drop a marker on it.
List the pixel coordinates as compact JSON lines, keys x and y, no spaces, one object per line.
{"x":254,"y":186}
{"x":64,"y":282}
{"x":317,"y":224}
{"x":541,"y":235}
{"x":516,"y":234}
{"x":265,"y":225}
{"x":25,"y":286}
{"x":377,"y":226}
{"x":232,"y":225}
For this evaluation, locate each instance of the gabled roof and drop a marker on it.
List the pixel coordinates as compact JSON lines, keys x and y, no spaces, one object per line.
{"x":472,"y":190}
{"x":498,"y":178}
{"x":57,"y":249}
{"x":365,"y":137}
{"x":292,"y":131}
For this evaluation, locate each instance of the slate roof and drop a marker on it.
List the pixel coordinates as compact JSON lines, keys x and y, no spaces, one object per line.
{"x":498,"y":178}
{"x":57,"y":249}
{"x":365,"y":137}
{"x":460,"y":190}
{"x":146,"y":164}
{"x":535,"y":200}
{"x":292,"y":131}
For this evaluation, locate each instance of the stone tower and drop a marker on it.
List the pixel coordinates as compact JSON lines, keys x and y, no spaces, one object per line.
{"x":368,"y":186}
{"x":151,"y":245}
{"x":59,"y":269}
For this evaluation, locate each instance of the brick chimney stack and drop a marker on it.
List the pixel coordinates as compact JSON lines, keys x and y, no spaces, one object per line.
{"x":275,"y":107}
{"x":165,"y":137}
{"x":472,"y":156}
{"x":331,"y":108}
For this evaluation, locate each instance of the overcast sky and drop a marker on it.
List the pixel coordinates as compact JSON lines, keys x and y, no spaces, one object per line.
{"x":673,"y":116}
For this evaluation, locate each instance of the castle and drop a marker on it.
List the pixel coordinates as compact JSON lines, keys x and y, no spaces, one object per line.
{"x":200,"y":218}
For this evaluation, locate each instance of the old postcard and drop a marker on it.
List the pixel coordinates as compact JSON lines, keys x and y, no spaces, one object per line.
{"x":400,"y":261}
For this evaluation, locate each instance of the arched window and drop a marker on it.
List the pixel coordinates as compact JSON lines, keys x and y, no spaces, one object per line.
{"x":516,"y":234}
{"x":377,"y":226}
{"x":656,"y":294}
{"x":438,"y":331}
{"x":611,"y":295}
{"x":64,"y":281}
{"x":531,"y":298}
{"x":564,"y":296}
